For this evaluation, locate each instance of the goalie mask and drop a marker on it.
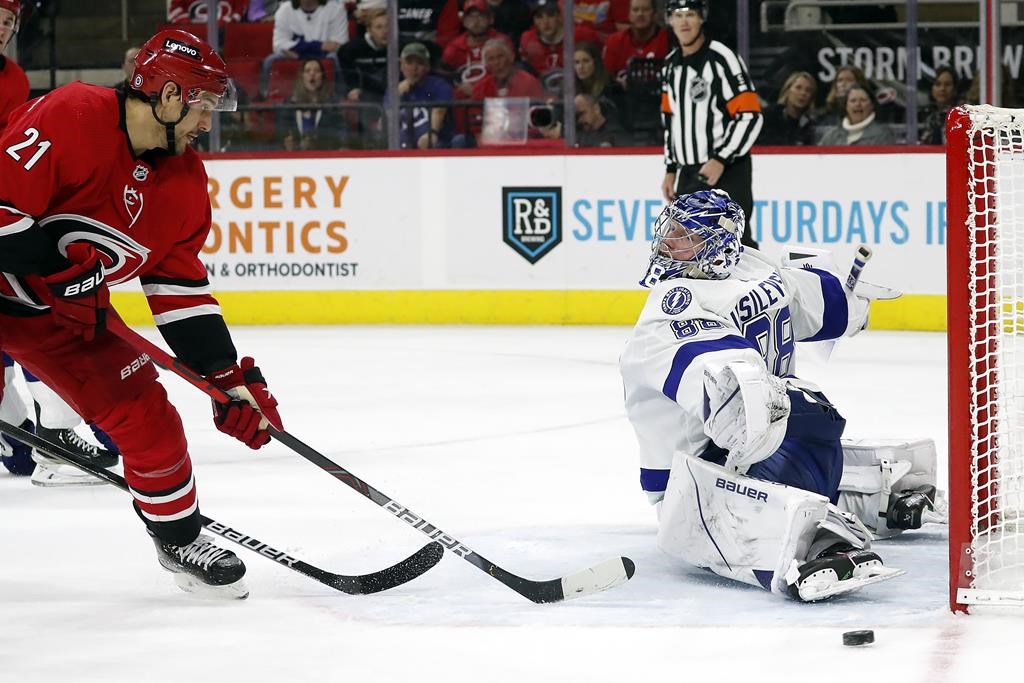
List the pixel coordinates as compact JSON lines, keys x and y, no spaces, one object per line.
{"x":696,"y":236}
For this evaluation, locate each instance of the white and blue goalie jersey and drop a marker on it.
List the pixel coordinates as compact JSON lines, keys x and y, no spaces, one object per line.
{"x":756,"y":314}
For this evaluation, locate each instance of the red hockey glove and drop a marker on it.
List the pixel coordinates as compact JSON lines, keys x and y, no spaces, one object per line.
{"x":80,"y":296}
{"x":252,"y":409}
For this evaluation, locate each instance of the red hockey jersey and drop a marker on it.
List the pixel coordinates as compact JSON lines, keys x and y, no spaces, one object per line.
{"x":68,"y":169}
{"x":620,"y":50}
{"x":13,"y":88}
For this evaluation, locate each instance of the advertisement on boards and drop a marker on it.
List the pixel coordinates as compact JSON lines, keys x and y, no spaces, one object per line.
{"x":545,"y":223}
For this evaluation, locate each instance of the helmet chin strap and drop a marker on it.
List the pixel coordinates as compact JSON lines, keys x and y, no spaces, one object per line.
{"x":168,"y":125}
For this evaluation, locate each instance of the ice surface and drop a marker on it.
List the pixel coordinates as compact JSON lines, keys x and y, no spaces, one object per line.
{"x":514,"y":440}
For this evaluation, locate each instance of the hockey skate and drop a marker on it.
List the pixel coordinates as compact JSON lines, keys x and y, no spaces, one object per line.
{"x":912,"y":508}
{"x":52,"y":472}
{"x":16,"y":456}
{"x":840,"y":569}
{"x":203,"y":568}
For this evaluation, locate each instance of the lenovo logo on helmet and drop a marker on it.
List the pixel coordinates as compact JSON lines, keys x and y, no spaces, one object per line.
{"x":181,"y":48}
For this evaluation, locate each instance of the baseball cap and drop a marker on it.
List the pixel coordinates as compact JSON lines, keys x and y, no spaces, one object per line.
{"x":549,"y":6}
{"x":417,"y":51}
{"x":478,"y":5}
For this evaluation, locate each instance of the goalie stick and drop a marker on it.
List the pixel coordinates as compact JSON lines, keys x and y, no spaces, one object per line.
{"x":600,"y":577}
{"x":860,"y":259}
{"x":406,"y":570}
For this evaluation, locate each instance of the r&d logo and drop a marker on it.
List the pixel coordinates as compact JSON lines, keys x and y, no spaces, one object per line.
{"x":532,"y":220}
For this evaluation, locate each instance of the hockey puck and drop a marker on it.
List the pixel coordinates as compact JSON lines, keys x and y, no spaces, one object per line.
{"x":854,"y":638}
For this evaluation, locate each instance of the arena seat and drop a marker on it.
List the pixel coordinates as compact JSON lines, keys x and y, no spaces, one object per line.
{"x":246,"y":74}
{"x":248,"y":41}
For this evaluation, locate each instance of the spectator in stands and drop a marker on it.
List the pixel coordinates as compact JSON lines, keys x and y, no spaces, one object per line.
{"x":596,"y":127}
{"x":314,"y":127}
{"x":944,"y":96}
{"x":196,"y":11}
{"x":592,"y":78}
{"x":128,"y":65}
{"x":504,"y":78}
{"x":789,"y":121}
{"x":423,"y":125}
{"x":364,"y":64}
{"x":1007,"y":88}
{"x":431,"y":22}
{"x":364,"y":61}
{"x":859,"y":127}
{"x":262,"y":10}
{"x":847,"y":76}
{"x":604,"y":17}
{"x":463,"y":57}
{"x":511,"y":17}
{"x":540,"y":48}
{"x":644,"y":39}
{"x":307,"y":29}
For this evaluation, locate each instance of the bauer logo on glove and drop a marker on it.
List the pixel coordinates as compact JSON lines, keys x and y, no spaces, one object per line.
{"x":252,"y":410}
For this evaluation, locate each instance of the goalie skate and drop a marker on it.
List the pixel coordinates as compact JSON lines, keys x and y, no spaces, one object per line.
{"x":837,"y":572}
{"x":203,"y":568}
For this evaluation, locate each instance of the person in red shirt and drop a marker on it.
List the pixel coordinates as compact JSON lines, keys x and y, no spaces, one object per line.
{"x":464,"y":55}
{"x":504,"y":78}
{"x":98,"y":186}
{"x":197,"y":11}
{"x":13,"y":81}
{"x":603,"y":16}
{"x":644,"y":39}
{"x":541,"y":47}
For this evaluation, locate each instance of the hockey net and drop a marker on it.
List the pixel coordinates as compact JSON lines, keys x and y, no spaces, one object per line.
{"x":985,"y":252}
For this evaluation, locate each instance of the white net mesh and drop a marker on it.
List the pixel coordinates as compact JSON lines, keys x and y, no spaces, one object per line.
{"x":995,"y":226}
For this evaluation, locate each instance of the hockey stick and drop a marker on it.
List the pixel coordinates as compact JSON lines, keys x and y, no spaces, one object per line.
{"x":597,"y":578}
{"x":860,"y":259}
{"x":396,"y":575}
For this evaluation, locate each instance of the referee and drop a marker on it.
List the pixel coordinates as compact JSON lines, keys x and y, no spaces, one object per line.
{"x":710,"y":112}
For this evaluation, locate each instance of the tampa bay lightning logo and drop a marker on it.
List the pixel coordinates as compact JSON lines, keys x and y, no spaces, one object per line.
{"x":676,"y":301}
{"x":122,"y":257}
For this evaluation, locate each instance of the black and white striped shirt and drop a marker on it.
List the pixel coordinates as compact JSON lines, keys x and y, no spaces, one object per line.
{"x":709,"y":107}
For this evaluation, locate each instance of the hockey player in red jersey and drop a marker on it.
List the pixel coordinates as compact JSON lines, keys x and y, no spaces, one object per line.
{"x":99,"y":186}
{"x":57,"y":420}
{"x":13,"y":81}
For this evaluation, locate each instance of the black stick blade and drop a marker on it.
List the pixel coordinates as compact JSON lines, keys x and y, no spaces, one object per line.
{"x":406,"y":570}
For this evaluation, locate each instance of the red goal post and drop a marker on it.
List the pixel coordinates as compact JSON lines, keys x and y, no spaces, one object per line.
{"x":985,"y":293}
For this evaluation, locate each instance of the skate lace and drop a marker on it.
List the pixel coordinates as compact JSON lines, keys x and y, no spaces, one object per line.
{"x":201,"y":552}
{"x":72,"y":437}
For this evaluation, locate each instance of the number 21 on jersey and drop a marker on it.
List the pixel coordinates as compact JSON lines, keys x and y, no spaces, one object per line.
{"x":31,"y":138}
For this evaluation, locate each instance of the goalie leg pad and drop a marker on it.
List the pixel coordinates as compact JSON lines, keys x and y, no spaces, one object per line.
{"x":891,"y":484}
{"x":54,"y":412}
{"x":738,"y":527}
{"x":12,"y":408}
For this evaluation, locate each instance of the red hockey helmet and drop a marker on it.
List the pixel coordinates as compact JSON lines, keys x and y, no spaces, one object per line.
{"x":14,"y":7}
{"x":173,"y":55}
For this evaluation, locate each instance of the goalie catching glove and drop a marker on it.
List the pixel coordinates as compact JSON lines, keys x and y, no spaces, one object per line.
{"x":252,"y":408}
{"x":747,"y":412}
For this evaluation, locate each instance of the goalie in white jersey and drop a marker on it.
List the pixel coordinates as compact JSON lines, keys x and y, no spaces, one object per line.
{"x":743,"y":460}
